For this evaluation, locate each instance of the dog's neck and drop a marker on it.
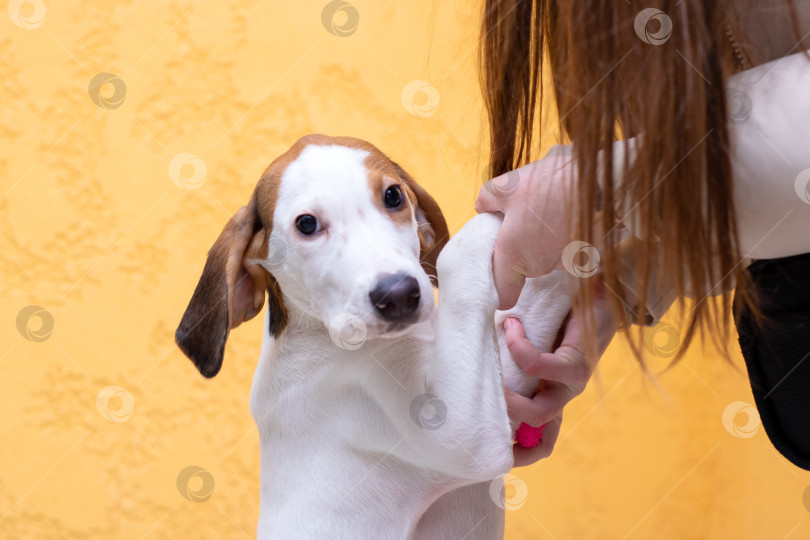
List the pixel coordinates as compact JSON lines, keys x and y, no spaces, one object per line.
{"x":306,"y":353}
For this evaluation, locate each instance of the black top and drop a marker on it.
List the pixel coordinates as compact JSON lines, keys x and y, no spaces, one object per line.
{"x":777,"y":352}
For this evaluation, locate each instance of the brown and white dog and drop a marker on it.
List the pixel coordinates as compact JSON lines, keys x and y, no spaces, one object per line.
{"x":379,"y":415}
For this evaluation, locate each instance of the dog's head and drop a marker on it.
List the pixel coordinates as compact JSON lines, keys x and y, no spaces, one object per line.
{"x":335,"y":229}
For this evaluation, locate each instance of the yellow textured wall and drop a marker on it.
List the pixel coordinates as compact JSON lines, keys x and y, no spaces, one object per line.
{"x":105,"y":228}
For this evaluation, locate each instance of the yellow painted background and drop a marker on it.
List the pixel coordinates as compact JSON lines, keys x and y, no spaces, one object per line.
{"x":94,"y":230}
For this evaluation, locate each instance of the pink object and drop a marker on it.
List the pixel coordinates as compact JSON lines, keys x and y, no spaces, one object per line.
{"x":527,"y":436}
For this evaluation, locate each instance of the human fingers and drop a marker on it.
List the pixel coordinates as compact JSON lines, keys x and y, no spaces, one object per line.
{"x":507,"y":269}
{"x":540,"y":409}
{"x":571,"y":370}
{"x":490,"y":199}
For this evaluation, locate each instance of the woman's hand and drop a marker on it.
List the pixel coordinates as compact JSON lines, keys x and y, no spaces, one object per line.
{"x":566,"y":372}
{"x":536,"y":202}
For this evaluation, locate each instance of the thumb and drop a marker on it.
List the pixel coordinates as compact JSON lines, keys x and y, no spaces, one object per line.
{"x":508,"y":282}
{"x":487,"y":200}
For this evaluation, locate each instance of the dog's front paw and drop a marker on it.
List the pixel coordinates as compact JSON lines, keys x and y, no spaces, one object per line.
{"x":466,"y":260}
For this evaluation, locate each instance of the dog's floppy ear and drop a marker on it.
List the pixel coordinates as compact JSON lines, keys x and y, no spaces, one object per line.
{"x":433,"y":234}
{"x":230,"y":291}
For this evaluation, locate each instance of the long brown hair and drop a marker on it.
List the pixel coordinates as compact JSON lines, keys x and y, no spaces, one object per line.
{"x":610,"y":82}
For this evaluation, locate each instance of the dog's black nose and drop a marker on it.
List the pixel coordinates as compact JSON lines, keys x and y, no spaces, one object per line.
{"x":396,"y":297}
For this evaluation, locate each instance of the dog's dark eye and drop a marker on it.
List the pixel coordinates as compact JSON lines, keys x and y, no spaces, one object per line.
{"x":393,"y":197}
{"x":307,"y":224}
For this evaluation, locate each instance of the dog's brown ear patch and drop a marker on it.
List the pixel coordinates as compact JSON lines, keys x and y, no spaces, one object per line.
{"x":230,"y":291}
{"x":432,"y":227}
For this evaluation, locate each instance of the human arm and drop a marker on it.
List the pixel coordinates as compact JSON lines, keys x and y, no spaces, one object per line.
{"x":770,"y":155}
{"x":770,"y":138}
